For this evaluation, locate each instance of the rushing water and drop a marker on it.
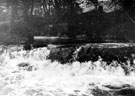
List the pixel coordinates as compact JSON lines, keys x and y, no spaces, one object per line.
{"x":29,"y":73}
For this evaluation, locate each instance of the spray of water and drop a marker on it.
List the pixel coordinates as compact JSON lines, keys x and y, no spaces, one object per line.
{"x":29,"y":73}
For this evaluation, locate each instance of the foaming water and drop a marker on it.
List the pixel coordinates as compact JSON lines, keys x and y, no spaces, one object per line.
{"x":29,"y":73}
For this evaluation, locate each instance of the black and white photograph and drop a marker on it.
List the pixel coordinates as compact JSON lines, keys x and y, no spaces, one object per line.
{"x":67,"y":47}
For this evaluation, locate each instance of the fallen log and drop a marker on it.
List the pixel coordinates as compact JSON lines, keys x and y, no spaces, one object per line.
{"x":46,"y":40}
{"x":50,"y":40}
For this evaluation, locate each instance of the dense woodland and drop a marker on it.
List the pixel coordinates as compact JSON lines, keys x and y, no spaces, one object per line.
{"x":96,"y":20}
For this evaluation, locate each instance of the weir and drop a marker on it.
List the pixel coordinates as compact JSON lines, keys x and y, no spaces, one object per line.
{"x":109,"y":52}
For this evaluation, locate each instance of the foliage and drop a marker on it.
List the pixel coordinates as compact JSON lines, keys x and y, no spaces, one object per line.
{"x":72,"y":17}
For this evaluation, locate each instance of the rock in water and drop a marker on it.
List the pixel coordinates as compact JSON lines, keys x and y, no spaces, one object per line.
{"x":25,"y":66}
{"x":112,"y":87}
{"x":125,"y":92}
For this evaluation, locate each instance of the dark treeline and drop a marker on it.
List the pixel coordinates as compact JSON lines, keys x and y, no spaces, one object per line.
{"x":66,"y":17}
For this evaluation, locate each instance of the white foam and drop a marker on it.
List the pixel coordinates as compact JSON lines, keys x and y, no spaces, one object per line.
{"x":54,"y":78}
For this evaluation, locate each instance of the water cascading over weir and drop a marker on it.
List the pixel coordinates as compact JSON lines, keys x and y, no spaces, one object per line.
{"x":87,"y":72}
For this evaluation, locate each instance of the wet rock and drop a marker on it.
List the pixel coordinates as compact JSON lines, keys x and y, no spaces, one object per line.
{"x":100,"y":92}
{"x":25,"y":66}
{"x":116,"y":91}
{"x":121,"y":90}
{"x":112,"y":87}
{"x":125,"y":92}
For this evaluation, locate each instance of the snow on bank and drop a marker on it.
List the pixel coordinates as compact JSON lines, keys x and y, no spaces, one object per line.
{"x":29,"y":73}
